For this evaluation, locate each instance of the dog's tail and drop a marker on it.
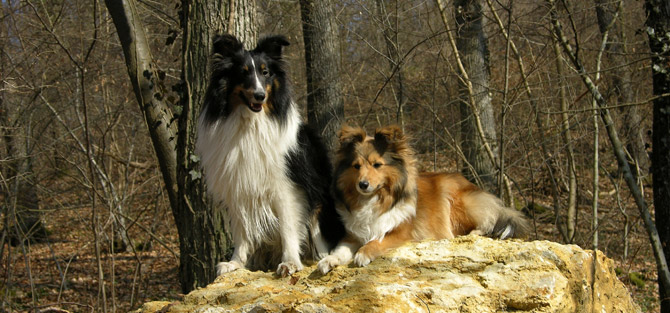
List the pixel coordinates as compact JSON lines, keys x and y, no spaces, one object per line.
{"x":493,"y":219}
{"x":510,"y":224}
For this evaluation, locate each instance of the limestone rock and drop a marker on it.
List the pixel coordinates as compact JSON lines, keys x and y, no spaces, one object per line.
{"x":466,"y":274}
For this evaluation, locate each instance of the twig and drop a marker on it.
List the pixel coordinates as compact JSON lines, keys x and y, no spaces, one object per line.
{"x":534,"y":104}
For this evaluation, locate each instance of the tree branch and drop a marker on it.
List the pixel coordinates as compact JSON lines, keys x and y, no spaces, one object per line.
{"x":147,"y":84}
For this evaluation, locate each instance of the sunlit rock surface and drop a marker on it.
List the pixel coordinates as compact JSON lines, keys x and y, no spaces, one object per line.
{"x":467,"y":274}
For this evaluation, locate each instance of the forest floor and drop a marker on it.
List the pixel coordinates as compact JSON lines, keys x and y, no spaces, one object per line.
{"x":62,"y":274}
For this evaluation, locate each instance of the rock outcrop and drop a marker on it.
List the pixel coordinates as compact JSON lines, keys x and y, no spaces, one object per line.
{"x":467,"y":274}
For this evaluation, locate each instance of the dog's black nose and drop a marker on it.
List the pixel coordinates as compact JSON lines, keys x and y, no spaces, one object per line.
{"x":259,"y":95}
{"x":363,"y":185}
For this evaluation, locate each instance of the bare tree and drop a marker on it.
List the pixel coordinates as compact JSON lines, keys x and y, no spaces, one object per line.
{"x":658,"y":30}
{"x":17,"y":122}
{"x":325,"y":105}
{"x":472,"y":46}
{"x":202,"y":237}
{"x":548,"y":162}
{"x":570,"y":222}
{"x":656,"y":243}
{"x":389,"y":16}
{"x":621,"y":76}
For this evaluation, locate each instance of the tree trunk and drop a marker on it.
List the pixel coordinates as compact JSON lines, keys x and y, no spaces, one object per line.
{"x":571,"y":214}
{"x":631,"y":128}
{"x":22,"y":204}
{"x":202,"y":237}
{"x":658,"y":28}
{"x":325,"y":105}
{"x":21,"y":207}
{"x":471,"y":43}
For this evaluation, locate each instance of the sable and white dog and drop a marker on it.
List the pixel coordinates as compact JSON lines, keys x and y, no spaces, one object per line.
{"x":385,"y":203}
{"x":262,"y":163}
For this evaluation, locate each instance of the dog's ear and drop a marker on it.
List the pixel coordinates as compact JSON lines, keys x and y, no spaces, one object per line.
{"x":226,"y":45}
{"x":391,"y":137}
{"x":272,"y":46}
{"x":349,"y":135}
{"x":224,"y":49}
{"x":390,"y":134}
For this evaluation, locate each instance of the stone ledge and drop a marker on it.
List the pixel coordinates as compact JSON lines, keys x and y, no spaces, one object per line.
{"x":466,"y":274}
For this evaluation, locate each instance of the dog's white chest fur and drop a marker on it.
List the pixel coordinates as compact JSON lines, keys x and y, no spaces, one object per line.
{"x":244,"y":162}
{"x":366,"y":224}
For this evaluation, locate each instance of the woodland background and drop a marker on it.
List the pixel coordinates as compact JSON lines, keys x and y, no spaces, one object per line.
{"x":89,"y":222}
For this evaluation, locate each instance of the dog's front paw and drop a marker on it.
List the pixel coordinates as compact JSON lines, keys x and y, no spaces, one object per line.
{"x":287,"y":268}
{"x":227,"y":267}
{"x":362,"y":259}
{"x":328,"y":263}
{"x":477,"y":232}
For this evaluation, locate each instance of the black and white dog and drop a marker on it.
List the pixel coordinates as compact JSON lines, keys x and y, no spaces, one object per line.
{"x":260,"y":161}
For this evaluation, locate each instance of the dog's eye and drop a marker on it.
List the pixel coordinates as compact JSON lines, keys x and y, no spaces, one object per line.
{"x":377,"y":165}
{"x":266,"y":73}
{"x":357,"y":166}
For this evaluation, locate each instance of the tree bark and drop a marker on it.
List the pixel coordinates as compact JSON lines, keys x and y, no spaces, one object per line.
{"x":471,"y":43}
{"x":658,"y":32}
{"x":325,"y":104}
{"x":202,"y":237}
{"x":200,"y":223}
{"x":622,"y":85}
